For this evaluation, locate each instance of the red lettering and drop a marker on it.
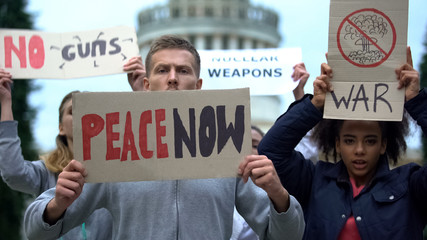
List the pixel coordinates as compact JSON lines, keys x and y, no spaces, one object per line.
{"x":144,"y":120}
{"x":36,"y":52}
{"x":128,"y":140}
{"x":20,"y":53}
{"x":92,"y":125}
{"x":162,"y":148}
{"x":112,"y":152}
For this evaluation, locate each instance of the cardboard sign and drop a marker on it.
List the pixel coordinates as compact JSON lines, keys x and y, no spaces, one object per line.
{"x":33,"y":54}
{"x":367,"y":42}
{"x":134,"y":136}
{"x":264,"y":71}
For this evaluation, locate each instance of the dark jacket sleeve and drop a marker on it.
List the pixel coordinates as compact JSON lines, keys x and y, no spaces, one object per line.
{"x":417,"y":108}
{"x":295,"y":172}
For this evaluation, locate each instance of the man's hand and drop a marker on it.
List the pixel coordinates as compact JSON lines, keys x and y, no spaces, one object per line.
{"x":136,"y":74}
{"x":300,"y":74}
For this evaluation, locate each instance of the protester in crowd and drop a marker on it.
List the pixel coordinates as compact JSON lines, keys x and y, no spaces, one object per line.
{"x":35,"y":177}
{"x":358,"y":197}
{"x":299,"y":74}
{"x":241,"y":230}
{"x":177,"y":209}
{"x":306,"y":146}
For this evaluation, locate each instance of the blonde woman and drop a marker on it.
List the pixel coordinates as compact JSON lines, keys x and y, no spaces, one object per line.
{"x":34,"y":177}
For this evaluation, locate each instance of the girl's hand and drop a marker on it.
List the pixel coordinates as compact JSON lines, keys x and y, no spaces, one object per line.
{"x":321,"y":86}
{"x":408,"y":77}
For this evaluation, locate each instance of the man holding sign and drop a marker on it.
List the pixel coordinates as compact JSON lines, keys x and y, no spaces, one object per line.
{"x":177,"y":209}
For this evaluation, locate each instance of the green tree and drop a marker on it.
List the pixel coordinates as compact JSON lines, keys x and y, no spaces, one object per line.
{"x":423,"y":81}
{"x":12,"y":203}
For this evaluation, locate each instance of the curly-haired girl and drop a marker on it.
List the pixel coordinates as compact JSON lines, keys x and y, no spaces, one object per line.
{"x":358,"y":197}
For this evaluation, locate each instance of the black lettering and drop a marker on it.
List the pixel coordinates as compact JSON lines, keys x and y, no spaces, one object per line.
{"x":226,"y":72}
{"x":82,"y":53}
{"x":101,"y":44}
{"x":117,"y":48}
{"x":245,"y":72}
{"x":236,"y":133}
{"x":268,"y":72}
{"x":207,"y":131}
{"x":256,"y":72}
{"x":364,"y":98}
{"x":181,"y":135}
{"x":236,"y":73}
{"x":214,"y":72}
{"x":66,"y":55}
{"x":342,"y":100}
{"x":380,"y":96}
{"x":263,"y":59}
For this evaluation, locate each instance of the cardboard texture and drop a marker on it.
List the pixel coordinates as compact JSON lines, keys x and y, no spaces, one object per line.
{"x":367,"y":42}
{"x":30,"y":54}
{"x":264,"y":71}
{"x":138,"y":136}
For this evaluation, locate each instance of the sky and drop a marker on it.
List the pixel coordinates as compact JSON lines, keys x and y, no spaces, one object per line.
{"x":303,"y":24}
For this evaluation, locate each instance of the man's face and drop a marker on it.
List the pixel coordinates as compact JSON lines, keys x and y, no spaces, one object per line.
{"x":172,"y":69}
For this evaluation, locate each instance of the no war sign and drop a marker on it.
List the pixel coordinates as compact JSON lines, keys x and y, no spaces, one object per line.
{"x":367,"y":42}
{"x":34,"y":54}
{"x":135,"y":136}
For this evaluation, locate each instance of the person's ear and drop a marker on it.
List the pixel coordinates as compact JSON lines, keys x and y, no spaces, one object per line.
{"x":383,"y":146}
{"x":337,"y":145}
{"x":146,"y":84}
{"x":61,"y":130}
{"x":199,"y":84}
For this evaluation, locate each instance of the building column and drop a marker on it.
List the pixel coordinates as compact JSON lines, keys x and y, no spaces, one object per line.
{"x":233,"y":42}
{"x":200,"y":42}
{"x":217,"y":42}
{"x":247,"y":44}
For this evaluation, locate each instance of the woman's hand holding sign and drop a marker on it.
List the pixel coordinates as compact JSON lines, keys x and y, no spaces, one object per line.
{"x":262,"y":172}
{"x":68,"y":188}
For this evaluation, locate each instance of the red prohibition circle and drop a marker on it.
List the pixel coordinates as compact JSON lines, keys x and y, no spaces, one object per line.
{"x":347,"y":19}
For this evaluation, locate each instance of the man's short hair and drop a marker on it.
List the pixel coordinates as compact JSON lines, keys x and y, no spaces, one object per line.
{"x":171,"y":42}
